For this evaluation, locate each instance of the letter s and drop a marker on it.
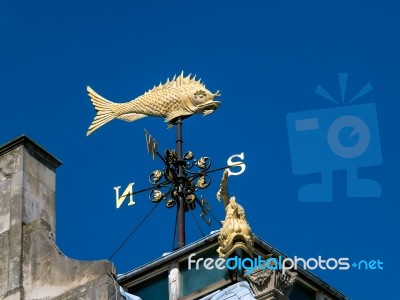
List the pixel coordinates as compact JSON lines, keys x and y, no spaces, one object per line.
{"x":237,"y":164}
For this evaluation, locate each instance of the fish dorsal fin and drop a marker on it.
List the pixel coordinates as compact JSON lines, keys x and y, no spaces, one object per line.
{"x":178,"y":81}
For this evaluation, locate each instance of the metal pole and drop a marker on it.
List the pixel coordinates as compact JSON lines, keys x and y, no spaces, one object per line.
{"x":181,"y":203}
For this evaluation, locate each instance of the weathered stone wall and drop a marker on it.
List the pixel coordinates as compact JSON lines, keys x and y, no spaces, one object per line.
{"x":11,"y":210}
{"x":4,"y":246}
{"x":53,"y":274}
{"x":31,"y":265}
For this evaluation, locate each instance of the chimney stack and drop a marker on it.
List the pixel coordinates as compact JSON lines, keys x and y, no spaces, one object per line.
{"x":31,"y":265}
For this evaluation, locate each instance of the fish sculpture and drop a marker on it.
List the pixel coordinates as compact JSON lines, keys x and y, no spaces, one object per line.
{"x":179,"y":98}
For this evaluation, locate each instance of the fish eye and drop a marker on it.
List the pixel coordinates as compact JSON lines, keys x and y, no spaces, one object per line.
{"x":199,"y":94}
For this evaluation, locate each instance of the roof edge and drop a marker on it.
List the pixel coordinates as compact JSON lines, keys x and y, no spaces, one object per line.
{"x":213,"y":238}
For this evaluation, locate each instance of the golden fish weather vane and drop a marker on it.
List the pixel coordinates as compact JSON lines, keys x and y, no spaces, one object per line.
{"x":182,"y":175}
{"x":179,"y":98}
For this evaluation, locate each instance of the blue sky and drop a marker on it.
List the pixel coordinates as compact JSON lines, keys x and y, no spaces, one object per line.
{"x":266,"y":58}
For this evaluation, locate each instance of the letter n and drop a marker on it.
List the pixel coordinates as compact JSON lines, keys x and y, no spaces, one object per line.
{"x":127,"y":192}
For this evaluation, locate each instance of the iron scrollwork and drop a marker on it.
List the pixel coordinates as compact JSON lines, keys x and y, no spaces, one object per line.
{"x":169,"y":183}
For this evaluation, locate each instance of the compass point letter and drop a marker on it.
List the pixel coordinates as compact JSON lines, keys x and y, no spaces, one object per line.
{"x":127,"y":192}
{"x":151,"y":144}
{"x":238,"y":164}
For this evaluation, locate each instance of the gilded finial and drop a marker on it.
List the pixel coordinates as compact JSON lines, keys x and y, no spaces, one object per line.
{"x":235,"y":232}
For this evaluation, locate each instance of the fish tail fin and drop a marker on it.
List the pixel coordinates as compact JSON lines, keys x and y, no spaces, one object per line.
{"x":104,"y":110}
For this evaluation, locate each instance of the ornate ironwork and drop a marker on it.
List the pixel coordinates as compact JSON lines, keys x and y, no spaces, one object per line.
{"x":166,"y":182}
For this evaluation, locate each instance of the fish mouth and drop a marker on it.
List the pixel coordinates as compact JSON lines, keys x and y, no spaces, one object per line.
{"x":209,"y":106}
